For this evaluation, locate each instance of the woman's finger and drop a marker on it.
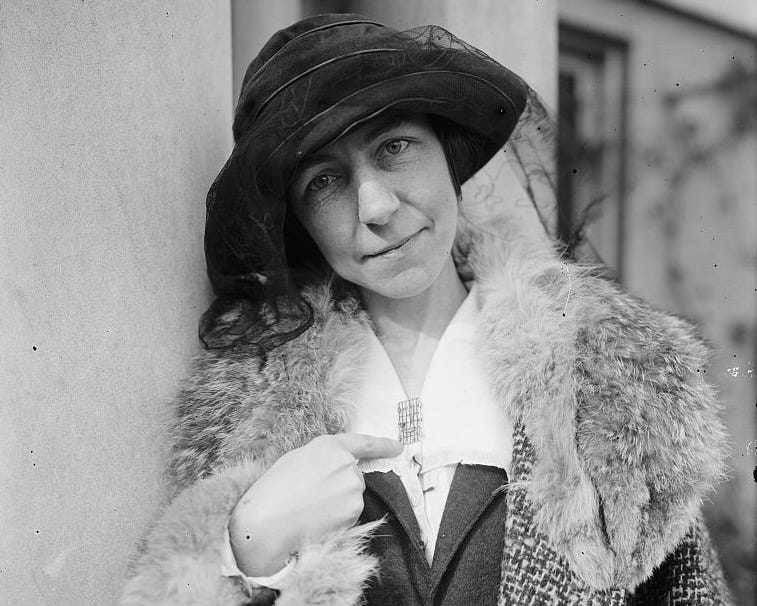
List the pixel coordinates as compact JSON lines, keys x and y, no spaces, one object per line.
{"x":364,"y":446}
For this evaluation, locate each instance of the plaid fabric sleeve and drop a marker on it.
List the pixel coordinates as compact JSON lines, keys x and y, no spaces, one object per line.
{"x":689,"y":575}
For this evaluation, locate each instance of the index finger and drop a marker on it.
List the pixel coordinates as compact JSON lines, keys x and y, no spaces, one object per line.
{"x":366,"y":446}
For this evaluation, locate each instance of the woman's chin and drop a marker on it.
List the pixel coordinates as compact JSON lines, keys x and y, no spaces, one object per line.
{"x":405,"y":285}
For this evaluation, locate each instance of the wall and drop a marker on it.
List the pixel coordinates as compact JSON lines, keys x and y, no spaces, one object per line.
{"x":732,"y":13}
{"x":691,"y":218}
{"x":114,"y":118}
{"x":252,"y":23}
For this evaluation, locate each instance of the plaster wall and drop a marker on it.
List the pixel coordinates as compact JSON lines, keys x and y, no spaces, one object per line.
{"x":252,"y":23}
{"x":734,"y":13}
{"x":114,"y":118}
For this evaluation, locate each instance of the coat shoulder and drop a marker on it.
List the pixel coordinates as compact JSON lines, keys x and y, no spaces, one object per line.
{"x":612,"y":394}
{"x":238,"y":402}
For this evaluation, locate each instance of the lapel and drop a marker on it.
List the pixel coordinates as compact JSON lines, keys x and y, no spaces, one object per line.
{"x":473,"y":490}
{"x":388,"y":487}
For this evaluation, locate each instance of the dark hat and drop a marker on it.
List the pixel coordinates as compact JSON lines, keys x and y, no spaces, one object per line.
{"x":310,"y":84}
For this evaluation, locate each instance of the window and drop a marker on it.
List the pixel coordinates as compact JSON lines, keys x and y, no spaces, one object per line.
{"x":591,"y":145}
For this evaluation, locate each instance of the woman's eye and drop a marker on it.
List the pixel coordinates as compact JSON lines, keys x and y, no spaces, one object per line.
{"x":320,"y":182}
{"x":395,"y":146}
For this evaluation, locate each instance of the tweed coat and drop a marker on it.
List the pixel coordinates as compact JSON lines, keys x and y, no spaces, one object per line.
{"x":617,"y":439}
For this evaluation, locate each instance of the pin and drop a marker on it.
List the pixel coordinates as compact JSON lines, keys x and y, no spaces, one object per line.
{"x":410,"y":420}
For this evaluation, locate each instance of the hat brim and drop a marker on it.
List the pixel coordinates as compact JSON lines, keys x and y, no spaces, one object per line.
{"x":487,"y":111}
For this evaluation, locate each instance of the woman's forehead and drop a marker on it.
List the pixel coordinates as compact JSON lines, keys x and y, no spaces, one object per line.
{"x":365,"y":132}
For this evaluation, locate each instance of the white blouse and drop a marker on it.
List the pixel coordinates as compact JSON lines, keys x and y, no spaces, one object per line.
{"x":461,"y":423}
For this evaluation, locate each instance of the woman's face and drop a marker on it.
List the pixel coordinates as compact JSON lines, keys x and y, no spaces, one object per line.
{"x":380,"y":205}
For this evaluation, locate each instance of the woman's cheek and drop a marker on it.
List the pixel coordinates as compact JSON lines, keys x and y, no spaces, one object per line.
{"x":332,"y":238}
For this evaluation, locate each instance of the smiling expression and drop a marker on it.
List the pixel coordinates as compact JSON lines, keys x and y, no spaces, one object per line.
{"x":380,"y":205}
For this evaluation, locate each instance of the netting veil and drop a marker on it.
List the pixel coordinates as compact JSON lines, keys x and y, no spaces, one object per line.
{"x":312,"y":83}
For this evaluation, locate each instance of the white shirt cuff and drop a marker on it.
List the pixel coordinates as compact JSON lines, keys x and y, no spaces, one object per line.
{"x":229,"y":567}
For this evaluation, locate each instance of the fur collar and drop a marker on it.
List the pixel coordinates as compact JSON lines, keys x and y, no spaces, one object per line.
{"x":610,"y":394}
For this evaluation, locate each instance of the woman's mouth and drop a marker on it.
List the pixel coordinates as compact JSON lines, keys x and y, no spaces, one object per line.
{"x":394,"y":250}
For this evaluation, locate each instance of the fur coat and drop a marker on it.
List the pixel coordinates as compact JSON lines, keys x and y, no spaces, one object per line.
{"x":617,"y":440}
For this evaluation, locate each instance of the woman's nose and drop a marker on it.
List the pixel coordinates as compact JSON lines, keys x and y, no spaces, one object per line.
{"x":376,"y":202}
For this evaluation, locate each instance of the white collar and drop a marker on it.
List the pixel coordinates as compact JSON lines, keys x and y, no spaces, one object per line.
{"x":462,"y":421}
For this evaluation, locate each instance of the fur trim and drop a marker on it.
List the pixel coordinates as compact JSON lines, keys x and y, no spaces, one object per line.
{"x":612,"y":396}
{"x":181,"y":564}
{"x":333,"y":571}
{"x":232,"y":412}
{"x":231,"y":408}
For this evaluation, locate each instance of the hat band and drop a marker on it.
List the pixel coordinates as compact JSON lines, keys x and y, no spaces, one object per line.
{"x":316,"y":67}
{"x":311,"y":31}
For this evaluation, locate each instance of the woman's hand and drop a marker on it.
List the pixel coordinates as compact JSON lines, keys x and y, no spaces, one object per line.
{"x":307,"y":493}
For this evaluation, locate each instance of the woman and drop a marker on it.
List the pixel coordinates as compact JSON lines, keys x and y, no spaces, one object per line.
{"x":401,"y":404}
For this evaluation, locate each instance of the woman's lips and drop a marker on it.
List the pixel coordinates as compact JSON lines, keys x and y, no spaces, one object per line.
{"x":394,"y":248}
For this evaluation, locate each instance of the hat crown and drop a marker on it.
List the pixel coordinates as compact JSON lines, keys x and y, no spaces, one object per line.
{"x":294,"y":50}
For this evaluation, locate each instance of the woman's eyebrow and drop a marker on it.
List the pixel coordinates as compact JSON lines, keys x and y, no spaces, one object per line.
{"x":317,"y":158}
{"x":383,"y":126}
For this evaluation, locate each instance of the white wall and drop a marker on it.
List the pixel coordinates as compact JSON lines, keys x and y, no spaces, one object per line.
{"x":735,"y":13}
{"x":114,"y":118}
{"x":253,"y":22}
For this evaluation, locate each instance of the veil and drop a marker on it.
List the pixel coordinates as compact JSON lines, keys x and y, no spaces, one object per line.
{"x":251,"y":242}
